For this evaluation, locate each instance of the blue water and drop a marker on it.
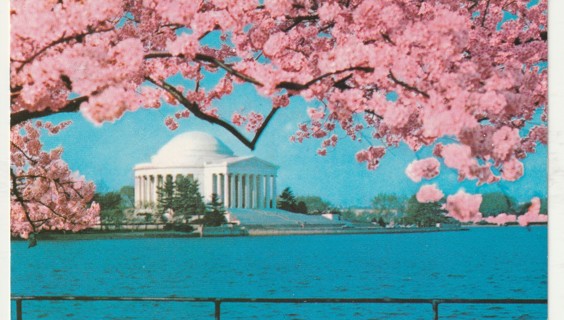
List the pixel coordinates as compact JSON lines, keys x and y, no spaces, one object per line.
{"x":506,"y":262}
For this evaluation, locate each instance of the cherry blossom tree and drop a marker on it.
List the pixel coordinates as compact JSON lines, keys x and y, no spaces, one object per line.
{"x":45,"y":194}
{"x":460,"y":72}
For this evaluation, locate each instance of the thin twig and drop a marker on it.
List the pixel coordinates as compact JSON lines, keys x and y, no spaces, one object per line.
{"x":407,"y":86}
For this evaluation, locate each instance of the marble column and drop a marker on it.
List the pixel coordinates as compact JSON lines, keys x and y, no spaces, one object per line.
{"x":214,"y":184}
{"x":267,"y":191}
{"x":152,"y":182}
{"x":274,"y":195}
{"x":224,"y":189}
{"x":148,"y":191}
{"x":160,"y":184}
{"x":254,"y":191}
{"x":222,"y":186}
{"x":148,"y":182}
{"x":260,"y":193}
{"x":232,"y":189}
{"x":239,"y":191}
{"x":247,"y":191}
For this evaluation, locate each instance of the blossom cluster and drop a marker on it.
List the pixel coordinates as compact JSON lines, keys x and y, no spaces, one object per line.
{"x":45,"y":193}
{"x":371,"y":156}
{"x":252,"y":120}
{"x":429,"y":193}
{"x":426,"y":168}
{"x":464,"y":207}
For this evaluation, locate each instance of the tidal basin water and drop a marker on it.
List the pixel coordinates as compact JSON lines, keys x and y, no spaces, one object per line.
{"x":507,"y":262}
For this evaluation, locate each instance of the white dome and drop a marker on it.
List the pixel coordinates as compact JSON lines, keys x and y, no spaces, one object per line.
{"x":191,"y":149}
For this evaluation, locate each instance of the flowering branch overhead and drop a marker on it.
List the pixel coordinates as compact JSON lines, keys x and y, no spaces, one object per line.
{"x":195,"y":109}
{"x":455,"y":69}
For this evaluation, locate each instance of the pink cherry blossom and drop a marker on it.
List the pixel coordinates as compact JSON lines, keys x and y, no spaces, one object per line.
{"x":171,"y":123}
{"x":371,"y":156}
{"x":532,"y":214}
{"x":457,"y":156}
{"x":237,"y":119}
{"x":504,"y":142}
{"x":464,"y":207}
{"x":501,"y":219}
{"x":185,"y":45}
{"x":426,"y":168}
{"x":182,"y":114}
{"x":315,"y":114}
{"x":429,"y":193}
{"x":254,"y":121}
{"x":280,"y":101}
{"x":512,"y":170}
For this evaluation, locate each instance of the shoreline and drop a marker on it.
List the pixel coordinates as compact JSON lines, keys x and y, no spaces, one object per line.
{"x":247,"y":231}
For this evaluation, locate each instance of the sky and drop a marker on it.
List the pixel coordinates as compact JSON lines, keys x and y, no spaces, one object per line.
{"x":106,"y":154}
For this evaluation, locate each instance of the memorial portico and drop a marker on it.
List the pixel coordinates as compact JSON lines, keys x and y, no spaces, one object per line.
{"x":240,"y":182}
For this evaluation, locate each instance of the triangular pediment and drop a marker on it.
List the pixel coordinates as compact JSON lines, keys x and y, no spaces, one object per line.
{"x":251,"y":162}
{"x":244,"y":165}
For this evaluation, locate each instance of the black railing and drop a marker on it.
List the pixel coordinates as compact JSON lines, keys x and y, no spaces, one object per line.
{"x":218,"y":301}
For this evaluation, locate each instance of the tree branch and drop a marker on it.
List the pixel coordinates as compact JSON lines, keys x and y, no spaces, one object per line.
{"x":282,"y":85}
{"x":74,"y":105}
{"x":226,"y":67}
{"x":209,"y":59}
{"x":298,"y":86}
{"x":387,"y":38}
{"x":195,"y":109}
{"x":78,"y":37}
{"x":374,"y":114}
{"x":485,"y":13}
{"x":263,"y":126}
{"x":51,"y":209}
{"x":24,"y":154}
{"x":543,"y":35}
{"x":300,"y":19}
{"x":407,"y":86}
{"x":24,"y":115}
{"x":21,"y":200}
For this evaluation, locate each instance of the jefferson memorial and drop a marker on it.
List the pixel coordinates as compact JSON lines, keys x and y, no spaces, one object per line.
{"x":240,"y":182}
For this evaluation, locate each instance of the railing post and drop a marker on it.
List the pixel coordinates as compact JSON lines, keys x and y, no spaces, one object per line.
{"x":19,"y":309}
{"x":217,"y":309}
{"x":436,"y":310}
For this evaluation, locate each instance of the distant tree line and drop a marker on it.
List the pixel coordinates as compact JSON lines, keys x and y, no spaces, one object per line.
{"x":391,"y":208}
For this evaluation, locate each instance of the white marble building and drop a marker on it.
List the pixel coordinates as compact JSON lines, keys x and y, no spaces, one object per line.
{"x":240,"y":182}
